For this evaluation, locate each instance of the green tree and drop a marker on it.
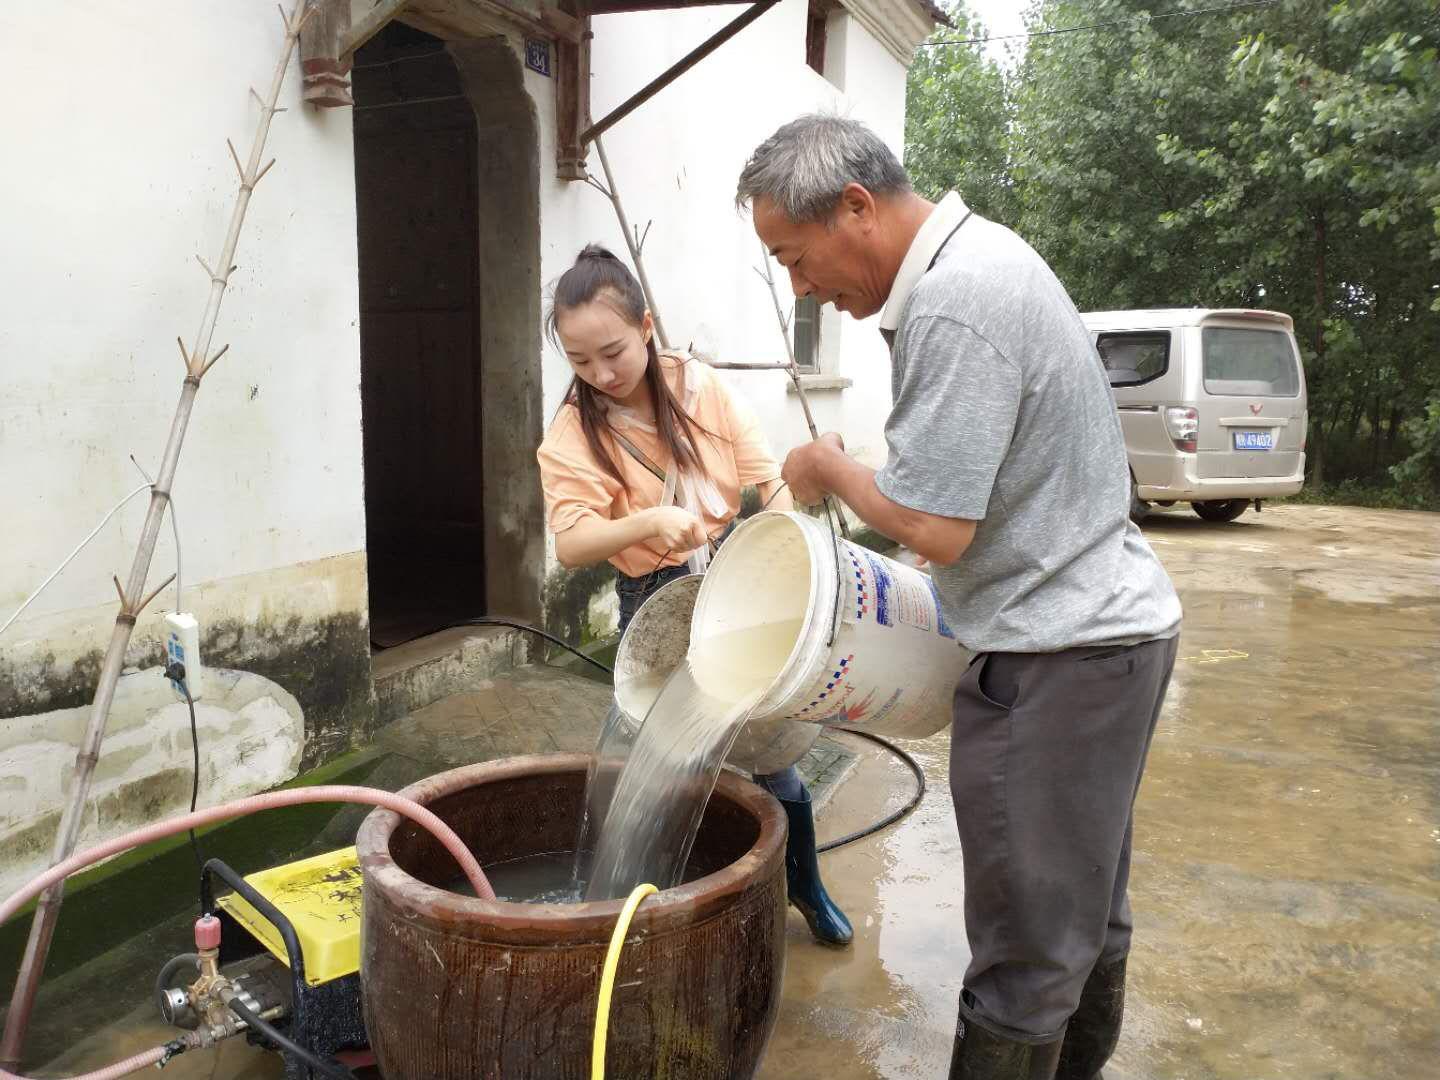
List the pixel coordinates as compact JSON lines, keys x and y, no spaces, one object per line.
{"x":1282,"y":156}
{"x":1323,"y":184}
{"x":1418,"y":476}
{"x":1099,"y":199}
{"x":957,"y":121}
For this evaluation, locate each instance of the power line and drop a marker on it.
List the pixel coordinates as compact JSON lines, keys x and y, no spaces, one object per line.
{"x":1102,"y":25}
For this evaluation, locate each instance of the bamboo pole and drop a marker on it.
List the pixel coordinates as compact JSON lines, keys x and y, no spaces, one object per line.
{"x":633,"y":239}
{"x":792,"y":368}
{"x":133,"y":597}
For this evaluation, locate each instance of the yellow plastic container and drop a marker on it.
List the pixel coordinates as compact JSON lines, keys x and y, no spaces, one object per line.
{"x":321,"y":898}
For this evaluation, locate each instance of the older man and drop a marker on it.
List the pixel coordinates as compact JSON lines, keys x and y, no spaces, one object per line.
{"x":1007,"y":470}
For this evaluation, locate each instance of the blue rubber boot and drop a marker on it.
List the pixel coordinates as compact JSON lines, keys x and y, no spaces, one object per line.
{"x":802,"y":874}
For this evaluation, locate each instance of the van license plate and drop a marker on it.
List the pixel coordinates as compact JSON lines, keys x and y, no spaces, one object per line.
{"x":1254,"y":440}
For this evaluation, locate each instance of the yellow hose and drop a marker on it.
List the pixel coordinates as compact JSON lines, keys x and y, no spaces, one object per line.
{"x":607,"y":978}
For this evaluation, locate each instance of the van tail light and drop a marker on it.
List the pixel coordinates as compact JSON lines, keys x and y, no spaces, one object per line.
{"x":1183,"y":426}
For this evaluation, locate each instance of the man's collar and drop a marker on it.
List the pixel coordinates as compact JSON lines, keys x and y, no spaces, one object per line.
{"x":948,"y":213}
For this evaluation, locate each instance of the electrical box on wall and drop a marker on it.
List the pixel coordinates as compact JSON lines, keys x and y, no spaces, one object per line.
{"x":182,"y":646}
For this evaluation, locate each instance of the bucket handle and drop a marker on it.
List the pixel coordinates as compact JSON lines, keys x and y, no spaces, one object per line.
{"x":839,"y":577}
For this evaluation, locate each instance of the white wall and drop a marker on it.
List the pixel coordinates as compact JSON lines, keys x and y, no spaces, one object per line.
{"x":250,"y":728}
{"x":116,"y":175}
{"x":677,"y":158}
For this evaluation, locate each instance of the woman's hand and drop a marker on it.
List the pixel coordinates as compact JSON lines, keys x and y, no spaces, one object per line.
{"x":679,"y":530}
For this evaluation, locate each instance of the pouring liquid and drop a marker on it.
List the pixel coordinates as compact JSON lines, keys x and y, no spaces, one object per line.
{"x":661,"y":783}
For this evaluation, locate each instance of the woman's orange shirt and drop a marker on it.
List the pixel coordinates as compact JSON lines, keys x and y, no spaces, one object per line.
{"x":734,"y":452}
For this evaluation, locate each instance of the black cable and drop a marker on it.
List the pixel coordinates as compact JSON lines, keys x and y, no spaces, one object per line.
{"x":891,"y":819}
{"x":491,"y":620}
{"x":885,"y":822}
{"x":175,"y":671}
{"x":324,"y":1066}
{"x":162,"y":981}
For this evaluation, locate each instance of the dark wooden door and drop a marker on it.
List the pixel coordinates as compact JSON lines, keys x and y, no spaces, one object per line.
{"x":415,"y":187}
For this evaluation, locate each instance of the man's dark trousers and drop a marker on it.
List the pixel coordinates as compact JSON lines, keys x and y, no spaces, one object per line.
{"x":1047,"y":750}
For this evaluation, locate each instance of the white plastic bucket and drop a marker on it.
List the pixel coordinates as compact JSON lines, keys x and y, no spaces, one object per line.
{"x":873,"y":651}
{"x":655,"y":645}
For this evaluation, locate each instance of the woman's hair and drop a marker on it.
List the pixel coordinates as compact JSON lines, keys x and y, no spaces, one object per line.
{"x":598,"y":276}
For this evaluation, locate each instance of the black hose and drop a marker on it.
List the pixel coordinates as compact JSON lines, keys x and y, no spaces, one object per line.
{"x":494,"y":620}
{"x":176,"y":672}
{"x":890,"y":819}
{"x":885,"y":822}
{"x":162,"y":981}
{"x":324,"y":1066}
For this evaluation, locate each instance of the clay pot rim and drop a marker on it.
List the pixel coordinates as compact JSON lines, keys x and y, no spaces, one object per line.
{"x":680,"y":903}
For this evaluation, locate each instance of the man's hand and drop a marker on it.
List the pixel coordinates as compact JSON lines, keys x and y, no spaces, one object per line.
{"x":806,"y":470}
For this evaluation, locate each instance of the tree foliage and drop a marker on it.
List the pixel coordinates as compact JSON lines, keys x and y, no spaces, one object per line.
{"x":957,"y":123}
{"x":1285,"y":156}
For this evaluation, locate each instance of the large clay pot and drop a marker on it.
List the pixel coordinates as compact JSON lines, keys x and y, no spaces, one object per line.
{"x":457,"y":987}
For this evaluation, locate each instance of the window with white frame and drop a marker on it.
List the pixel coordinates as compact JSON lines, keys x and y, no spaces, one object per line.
{"x":805,"y":335}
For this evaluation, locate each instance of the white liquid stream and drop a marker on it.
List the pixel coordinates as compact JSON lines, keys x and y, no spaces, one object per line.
{"x":691,"y":718}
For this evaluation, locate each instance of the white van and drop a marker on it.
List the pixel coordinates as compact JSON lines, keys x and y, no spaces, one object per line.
{"x":1212,"y":402}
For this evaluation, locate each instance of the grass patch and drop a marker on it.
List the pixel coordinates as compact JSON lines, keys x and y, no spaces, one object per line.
{"x":1356,"y":493}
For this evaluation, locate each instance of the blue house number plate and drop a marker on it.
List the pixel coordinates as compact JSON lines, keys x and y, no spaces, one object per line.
{"x":537,"y":56}
{"x":1254,"y":440}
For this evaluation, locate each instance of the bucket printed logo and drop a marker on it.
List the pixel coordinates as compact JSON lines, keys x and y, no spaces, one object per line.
{"x":862,"y":593}
{"x":902,"y":596}
{"x":836,"y":687}
{"x":883,"y":583}
{"x":908,"y":628}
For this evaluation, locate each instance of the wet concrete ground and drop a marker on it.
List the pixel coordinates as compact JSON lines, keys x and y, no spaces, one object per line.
{"x":1287,"y":853}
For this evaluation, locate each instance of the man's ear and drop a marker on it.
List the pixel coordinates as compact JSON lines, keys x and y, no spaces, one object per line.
{"x":858,"y":203}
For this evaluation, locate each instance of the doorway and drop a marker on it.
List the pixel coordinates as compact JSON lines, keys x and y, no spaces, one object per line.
{"x":448,"y":240}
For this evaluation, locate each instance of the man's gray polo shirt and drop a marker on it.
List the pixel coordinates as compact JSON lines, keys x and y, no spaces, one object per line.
{"x":1003,"y":415}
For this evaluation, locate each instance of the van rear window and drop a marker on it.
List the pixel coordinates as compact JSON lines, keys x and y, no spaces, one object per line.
{"x":1249,"y":363}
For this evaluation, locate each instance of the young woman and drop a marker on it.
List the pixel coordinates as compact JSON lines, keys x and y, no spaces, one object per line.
{"x":643,"y":467}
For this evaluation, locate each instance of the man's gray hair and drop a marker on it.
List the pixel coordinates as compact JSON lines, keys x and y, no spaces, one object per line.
{"x":805,"y":166}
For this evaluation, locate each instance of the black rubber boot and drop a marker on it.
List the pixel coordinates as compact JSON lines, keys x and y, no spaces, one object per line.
{"x":1095,"y":1028}
{"x":981,"y":1054}
{"x":802,"y":875}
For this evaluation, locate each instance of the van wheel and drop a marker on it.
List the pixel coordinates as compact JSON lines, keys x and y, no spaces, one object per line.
{"x":1220,"y":509}
{"x":1139,"y":508}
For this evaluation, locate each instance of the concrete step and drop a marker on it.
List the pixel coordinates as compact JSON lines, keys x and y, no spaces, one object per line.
{"x":421,"y":672}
